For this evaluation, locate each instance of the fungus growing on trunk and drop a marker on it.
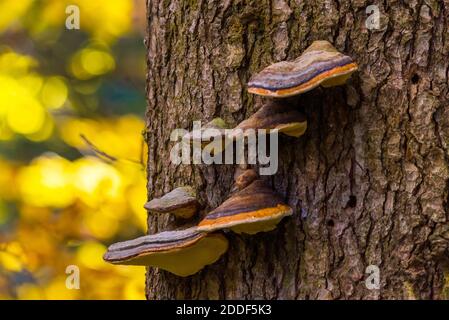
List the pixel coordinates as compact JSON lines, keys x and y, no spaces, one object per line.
{"x":243,"y":178}
{"x":203,"y":144}
{"x":181,"y":202}
{"x":210,"y":137}
{"x":213,"y":129}
{"x":256,"y":208}
{"x":319,"y":64}
{"x":275,"y":115}
{"x":181,"y":252}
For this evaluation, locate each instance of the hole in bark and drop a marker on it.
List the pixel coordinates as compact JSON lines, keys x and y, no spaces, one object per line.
{"x":352,"y":202}
{"x":330,"y":223}
{"x":415,"y":78}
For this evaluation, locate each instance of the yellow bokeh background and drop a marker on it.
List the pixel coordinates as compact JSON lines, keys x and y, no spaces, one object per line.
{"x":72,"y":157}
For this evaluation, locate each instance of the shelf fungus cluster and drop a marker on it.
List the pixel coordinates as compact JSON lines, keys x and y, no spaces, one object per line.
{"x":215,"y":136}
{"x":252,"y":206}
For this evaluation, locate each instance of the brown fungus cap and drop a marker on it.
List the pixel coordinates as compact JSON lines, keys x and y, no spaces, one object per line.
{"x":213,"y":131}
{"x":319,"y":64}
{"x":181,"y":252}
{"x":243,"y":178}
{"x":181,"y":202}
{"x":256,"y":208}
{"x":275,"y":115}
{"x":218,"y":126}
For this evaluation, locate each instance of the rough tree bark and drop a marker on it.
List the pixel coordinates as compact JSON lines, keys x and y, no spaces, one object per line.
{"x":369,"y":181}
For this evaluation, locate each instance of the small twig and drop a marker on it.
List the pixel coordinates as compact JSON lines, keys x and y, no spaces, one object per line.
{"x":96,"y":150}
{"x":107,"y":156}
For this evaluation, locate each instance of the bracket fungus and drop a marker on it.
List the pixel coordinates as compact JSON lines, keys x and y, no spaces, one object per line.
{"x":181,"y":252}
{"x":256,"y":208}
{"x":181,"y":202}
{"x":243,"y":178}
{"x":274,"y":115}
{"x":212,"y":129}
{"x":319,"y":64}
{"x":211,"y":136}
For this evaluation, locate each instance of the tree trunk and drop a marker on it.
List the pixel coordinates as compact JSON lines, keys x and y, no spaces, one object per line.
{"x":368,"y":182}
